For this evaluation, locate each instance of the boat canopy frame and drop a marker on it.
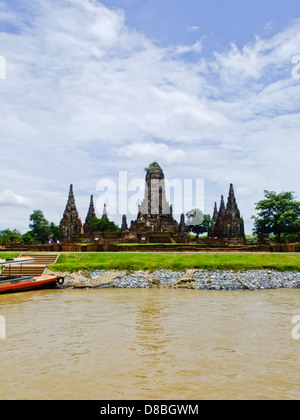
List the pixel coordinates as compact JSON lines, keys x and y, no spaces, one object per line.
{"x":15,"y":261}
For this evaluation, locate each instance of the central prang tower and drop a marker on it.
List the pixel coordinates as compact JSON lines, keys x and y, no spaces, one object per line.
{"x":155,"y":214}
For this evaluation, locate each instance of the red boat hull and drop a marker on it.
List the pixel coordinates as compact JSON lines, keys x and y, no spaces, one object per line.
{"x":33,"y":283}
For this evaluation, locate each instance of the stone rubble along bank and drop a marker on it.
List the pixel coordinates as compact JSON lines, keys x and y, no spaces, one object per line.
{"x":189,"y":279}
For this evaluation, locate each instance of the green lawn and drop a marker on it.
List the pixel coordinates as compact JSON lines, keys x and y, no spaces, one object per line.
{"x":177,"y":261}
{"x":5,"y":255}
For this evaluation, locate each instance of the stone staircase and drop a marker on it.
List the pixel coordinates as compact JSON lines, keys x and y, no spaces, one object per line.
{"x":37,"y":268}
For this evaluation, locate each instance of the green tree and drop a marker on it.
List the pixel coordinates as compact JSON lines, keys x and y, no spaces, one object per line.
{"x":27,"y":238}
{"x":8,"y":236}
{"x":40,"y":227}
{"x":54,"y":231}
{"x":102,"y":225}
{"x":197,"y":222}
{"x":278,"y":214}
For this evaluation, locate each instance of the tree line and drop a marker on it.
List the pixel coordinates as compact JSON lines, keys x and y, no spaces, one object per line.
{"x":278,"y":218}
{"x":41,"y":230}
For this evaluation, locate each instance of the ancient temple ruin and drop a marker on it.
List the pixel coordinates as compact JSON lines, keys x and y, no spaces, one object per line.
{"x":155,"y":221}
{"x":155,"y":214}
{"x":70,"y":224}
{"x":90,"y":215}
{"x":227,"y":223}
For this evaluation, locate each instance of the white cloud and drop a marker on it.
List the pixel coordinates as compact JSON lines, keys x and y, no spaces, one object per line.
{"x":269,"y":27}
{"x":193,"y":28}
{"x":9,"y":198}
{"x":84,"y":95}
{"x":243,"y":190}
{"x":261,"y":58}
{"x":153,"y":152}
{"x":183,"y":49}
{"x":8,"y":16}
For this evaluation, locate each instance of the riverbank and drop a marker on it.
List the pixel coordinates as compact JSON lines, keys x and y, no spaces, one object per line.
{"x":187,"y":279}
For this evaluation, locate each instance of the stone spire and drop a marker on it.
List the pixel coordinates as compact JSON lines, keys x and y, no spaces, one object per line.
{"x":155,"y":201}
{"x":70,"y":224}
{"x":215,"y":214}
{"x":229,"y":225}
{"x":214,"y":219}
{"x":71,"y":206}
{"x":232,"y":208}
{"x":222,"y":209}
{"x":91,"y":213}
{"x":233,"y":224}
{"x":124,"y":226}
{"x":182,"y":226}
{"x":155,"y":213}
{"x":218,"y":221}
{"x":104,"y":215}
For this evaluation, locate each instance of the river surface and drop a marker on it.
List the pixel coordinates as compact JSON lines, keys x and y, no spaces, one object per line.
{"x":149,"y":344}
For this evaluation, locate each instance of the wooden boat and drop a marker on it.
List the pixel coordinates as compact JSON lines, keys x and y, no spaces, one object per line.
{"x":20,"y":284}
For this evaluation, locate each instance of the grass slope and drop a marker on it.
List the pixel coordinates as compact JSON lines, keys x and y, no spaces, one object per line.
{"x":177,"y":261}
{"x":5,"y":255}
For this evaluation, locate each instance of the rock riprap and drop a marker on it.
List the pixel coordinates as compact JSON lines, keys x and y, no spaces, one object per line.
{"x":188,"y":279}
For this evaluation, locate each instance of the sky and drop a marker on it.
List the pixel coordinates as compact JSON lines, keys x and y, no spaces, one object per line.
{"x":208,"y":89}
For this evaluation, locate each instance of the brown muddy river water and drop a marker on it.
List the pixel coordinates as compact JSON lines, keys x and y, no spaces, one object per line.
{"x":149,"y":344}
